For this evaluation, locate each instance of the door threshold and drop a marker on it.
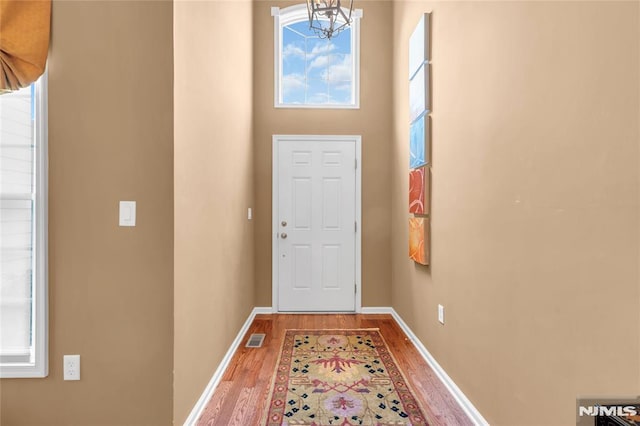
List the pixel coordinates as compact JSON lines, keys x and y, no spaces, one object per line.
{"x":316,"y":312}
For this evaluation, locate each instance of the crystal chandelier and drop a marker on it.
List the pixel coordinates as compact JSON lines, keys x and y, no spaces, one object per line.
{"x":327,"y":17}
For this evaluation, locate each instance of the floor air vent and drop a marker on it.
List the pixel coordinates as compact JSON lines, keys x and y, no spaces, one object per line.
{"x":255,"y":341}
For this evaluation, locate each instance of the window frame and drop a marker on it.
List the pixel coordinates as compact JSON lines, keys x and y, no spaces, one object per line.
{"x":297,"y":13}
{"x":39,"y":314}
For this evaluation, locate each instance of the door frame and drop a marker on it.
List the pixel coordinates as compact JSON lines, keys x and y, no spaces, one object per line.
{"x":275,"y":214}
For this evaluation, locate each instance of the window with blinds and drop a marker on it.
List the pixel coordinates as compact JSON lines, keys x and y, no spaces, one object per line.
{"x":23,"y":232}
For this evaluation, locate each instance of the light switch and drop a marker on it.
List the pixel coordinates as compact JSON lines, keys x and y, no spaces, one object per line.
{"x":127,"y":213}
{"x":441,"y":314}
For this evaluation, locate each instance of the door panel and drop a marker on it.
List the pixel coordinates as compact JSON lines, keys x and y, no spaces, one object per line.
{"x":316,"y":225}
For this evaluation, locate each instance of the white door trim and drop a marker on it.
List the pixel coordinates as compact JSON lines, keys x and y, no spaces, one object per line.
{"x":357,"y":140}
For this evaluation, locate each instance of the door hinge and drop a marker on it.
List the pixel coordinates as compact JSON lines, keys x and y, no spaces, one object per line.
{"x":356,"y":161}
{"x":355,"y":226}
{"x":355,"y":288}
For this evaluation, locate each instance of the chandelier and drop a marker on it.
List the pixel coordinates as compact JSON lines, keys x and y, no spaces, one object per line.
{"x":327,"y":17}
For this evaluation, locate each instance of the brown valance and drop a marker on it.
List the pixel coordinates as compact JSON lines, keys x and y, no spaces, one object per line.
{"x":24,"y":41}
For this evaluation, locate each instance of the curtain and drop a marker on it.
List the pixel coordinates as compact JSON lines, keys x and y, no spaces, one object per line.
{"x":24,"y":41}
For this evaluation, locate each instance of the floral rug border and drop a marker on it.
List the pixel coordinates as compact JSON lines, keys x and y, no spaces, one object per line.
{"x":401,"y":384}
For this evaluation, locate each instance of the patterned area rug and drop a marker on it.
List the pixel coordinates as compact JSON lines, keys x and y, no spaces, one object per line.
{"x":342,"y":378}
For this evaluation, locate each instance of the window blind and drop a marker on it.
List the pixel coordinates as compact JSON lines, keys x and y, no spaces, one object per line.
{"x":17,"y":209}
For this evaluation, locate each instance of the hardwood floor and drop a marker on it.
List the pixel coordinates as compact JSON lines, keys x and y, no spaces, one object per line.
{"x":243,"y":391}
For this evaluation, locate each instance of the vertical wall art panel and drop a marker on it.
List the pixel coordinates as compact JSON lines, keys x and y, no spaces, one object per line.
{"x":419,"y":45}
{"x":419,"y":191}
{"x":419,"y":240}
{"x":419,"y":142}
{"x":419,"y":101}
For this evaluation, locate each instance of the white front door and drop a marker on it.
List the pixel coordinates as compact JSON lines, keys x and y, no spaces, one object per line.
{"x":315,"y":223}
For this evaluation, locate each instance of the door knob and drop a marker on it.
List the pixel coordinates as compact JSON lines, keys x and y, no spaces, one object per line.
{"x":284,"y":223}
{"x":283,"y":235}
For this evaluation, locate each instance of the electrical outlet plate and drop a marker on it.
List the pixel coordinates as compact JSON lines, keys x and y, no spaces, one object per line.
{"x":441,"y":314}
{"x":71,"y":367}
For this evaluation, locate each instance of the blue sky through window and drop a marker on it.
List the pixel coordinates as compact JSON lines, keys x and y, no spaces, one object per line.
{"x":316,"y":71}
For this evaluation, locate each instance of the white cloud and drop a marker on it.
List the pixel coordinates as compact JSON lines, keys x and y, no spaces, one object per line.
{"x":326,"y":65}
{"x":319,"y":98}
{"x":319,"y":62}
{"x":292,"y":50}
{"x":340,"y":71}
{"x":345,"y":86}
{"x":322,"y":48}
{"x":292,"y":82}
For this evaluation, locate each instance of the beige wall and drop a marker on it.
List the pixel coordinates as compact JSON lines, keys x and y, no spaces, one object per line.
{"x":110,"y":288}
{"x":372,"y":121}
{"x":535,"y":202}
{"x":214,"y":290}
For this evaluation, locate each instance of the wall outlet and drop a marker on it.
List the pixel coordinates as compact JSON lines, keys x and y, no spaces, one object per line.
{"x":71,"y":366}
{"x":441,"y":314}
{"x":249,"y":213}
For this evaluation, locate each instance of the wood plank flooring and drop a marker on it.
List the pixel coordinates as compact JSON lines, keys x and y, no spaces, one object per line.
{"x":242,"y":393}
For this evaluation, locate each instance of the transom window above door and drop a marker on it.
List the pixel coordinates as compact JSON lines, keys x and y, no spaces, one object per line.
{"x":311,"y":72}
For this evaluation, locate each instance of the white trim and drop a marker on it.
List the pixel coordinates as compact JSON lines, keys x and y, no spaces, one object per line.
{"x":320,"y":106}
{"x":358,"y":212}
{"x":40,"y":314}
{"x":42,"y":230}
{"x":297,"y":13}
{"x":315,"y":312}
{"x":274,"y":219}
{"x":263,"y":310}
{"x":201,"y":404}
{"x":377,"y":310}
{"x":357,"y":139}
{"x":464,"y":402}
{"x":277,"y":72}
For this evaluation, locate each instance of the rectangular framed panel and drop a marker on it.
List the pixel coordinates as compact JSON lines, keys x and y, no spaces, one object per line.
{"x":419,"y":99}
{"x":330,"y":266}
{"x":419,"y":191}
{"x":419,"y":239}
{"x":301,"y":201}
{"x":302,"y":266}
{"x":419,"y":138}
{"x":331,"y":206}
{"x":419,"y":51}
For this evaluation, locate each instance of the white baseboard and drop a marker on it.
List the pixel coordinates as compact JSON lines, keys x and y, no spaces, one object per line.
{"x":197,"y":410}
{"x":263,"y":310}
{"x":377,"y":310}
{"x":455,"y":391}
